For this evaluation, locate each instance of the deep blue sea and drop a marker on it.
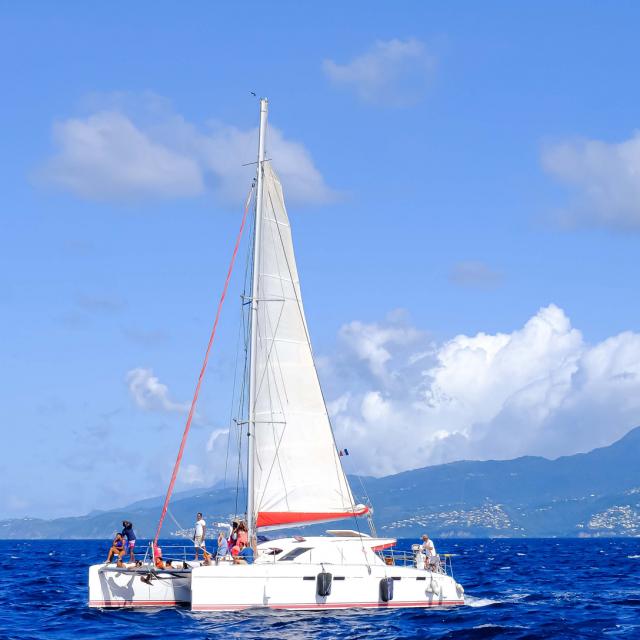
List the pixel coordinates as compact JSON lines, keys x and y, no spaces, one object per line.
{"x":515,"y":589}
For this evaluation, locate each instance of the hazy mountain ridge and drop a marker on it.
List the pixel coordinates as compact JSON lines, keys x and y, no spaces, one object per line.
{"x":595,"y":493}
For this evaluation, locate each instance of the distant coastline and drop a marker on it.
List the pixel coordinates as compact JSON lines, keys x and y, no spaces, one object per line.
{"x":590,"y":495}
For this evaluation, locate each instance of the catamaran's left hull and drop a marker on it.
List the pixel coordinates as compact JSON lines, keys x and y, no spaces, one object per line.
{"x":110,"y":588}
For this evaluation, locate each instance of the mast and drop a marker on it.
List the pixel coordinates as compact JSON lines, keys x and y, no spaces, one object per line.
{"x":264,"y":105}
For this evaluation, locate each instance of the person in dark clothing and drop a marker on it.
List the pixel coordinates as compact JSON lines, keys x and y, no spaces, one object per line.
{"x":233,"y":536}
{"x":117,"y":549}
{"x":129,"y":535}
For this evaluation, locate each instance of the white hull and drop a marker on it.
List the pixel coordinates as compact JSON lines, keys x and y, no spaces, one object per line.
{"x":243,"y":587}
{"x":110,"y":588}
{"x":275,"y":583}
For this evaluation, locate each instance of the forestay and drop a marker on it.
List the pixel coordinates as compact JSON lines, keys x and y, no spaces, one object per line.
{"x":298,"y":476}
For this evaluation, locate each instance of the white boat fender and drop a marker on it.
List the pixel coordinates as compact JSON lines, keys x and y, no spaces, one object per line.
{"x":434,"y":587}
{"x":323,"y":584}
{"x":459,"y":590}
{"x":386,"y":589}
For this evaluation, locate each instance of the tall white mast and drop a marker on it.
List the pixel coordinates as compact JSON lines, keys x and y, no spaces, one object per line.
{"x":251,"y":516}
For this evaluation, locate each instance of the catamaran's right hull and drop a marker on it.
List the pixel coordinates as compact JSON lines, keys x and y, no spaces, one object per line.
{"x":232,"y":587}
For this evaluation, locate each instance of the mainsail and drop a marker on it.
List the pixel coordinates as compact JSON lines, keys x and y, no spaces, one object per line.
{"x":297,"y":474}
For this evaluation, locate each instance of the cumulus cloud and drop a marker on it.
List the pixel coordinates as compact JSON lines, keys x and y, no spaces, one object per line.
{"x":603,"y":178}
{"x":372,"y":342}
{"x":224,"y":149}
{"x":154,"y":153}
{"x":105,"y":156}
{"x":393,"y":72}
{"x":149,"y":393}
{"x":474,"y":275}
{"x":540,"y":389}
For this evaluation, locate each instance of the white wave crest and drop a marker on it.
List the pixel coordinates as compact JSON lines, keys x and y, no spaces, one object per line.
{"x":471,"y":601}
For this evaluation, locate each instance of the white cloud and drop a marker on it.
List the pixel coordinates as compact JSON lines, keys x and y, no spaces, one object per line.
{"x":149,"y":393}
{"x":540,"y":389}
{"x":105,"y":157}
{"x":152,"y":152}
{"x":216,"y":438}
{"x":224,"y":149}
{"x":371,"y":342}
{"x":603,"y":177}
{"x":192,"y":474}
{"x":393,"y":72}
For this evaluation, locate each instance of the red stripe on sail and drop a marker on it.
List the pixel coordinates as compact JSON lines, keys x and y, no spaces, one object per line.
{"x":275,"y":518}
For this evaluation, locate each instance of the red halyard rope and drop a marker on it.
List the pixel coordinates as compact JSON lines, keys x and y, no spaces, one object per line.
{"x":176,"y":466}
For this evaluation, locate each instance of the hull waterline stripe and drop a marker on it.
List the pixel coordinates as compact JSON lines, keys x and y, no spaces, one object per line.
{"x":136,"y":603}
{"x":336,"y":605}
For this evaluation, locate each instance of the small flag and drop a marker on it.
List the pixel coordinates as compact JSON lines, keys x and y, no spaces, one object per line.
{"x":343,"y":452}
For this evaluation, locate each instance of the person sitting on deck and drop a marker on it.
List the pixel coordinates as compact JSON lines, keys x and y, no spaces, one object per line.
{"x":157,"y":557}
{"x":117,"y":548}
{"x":130,"y":536}
{"x":206,"y":559}
{"x":245,"y":556}
{"x":223,"y":546}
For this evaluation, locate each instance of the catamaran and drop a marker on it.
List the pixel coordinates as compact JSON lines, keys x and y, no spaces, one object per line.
{"x":294,"y":474}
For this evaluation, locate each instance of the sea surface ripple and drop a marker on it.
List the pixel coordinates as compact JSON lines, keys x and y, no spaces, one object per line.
{"x":587,"y":588}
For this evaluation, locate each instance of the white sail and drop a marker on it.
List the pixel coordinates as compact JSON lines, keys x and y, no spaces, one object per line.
{"x":298,"y":476}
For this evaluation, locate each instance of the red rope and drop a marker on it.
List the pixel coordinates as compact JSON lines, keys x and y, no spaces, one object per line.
{"x":176,"y":466}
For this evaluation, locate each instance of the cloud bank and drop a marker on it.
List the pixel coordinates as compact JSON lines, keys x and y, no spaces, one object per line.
{"x":603,"y":180}
{"x":540,"y":389}
{"x":394,"y":73}
{"x":153,"y":153}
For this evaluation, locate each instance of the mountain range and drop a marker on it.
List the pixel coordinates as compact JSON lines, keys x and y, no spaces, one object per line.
{"x":587,"y":494}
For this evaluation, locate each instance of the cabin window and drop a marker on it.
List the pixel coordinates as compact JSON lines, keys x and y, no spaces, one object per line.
{"x":294,"y":553}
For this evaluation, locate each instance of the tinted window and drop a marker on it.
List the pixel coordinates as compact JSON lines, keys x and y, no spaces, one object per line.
{"x":293,"y":554}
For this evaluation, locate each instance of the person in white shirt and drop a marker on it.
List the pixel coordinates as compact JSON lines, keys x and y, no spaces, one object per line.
{"x":199,"y":533}
{"x":427,"y":547}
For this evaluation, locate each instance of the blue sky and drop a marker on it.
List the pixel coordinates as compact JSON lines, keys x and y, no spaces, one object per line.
{"x":464,"y":186}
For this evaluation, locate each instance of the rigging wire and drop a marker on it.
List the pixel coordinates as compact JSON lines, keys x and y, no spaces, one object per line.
{"x":187,"y":427}
{"x":241,"y":334}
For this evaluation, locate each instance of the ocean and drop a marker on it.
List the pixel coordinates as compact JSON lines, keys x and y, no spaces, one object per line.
{"x":587,"y":588}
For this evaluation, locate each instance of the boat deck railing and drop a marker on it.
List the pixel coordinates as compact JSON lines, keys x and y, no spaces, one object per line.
{"x":437,"y":564}
{"x":392,"y":557}
{"x":173,"y":552}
